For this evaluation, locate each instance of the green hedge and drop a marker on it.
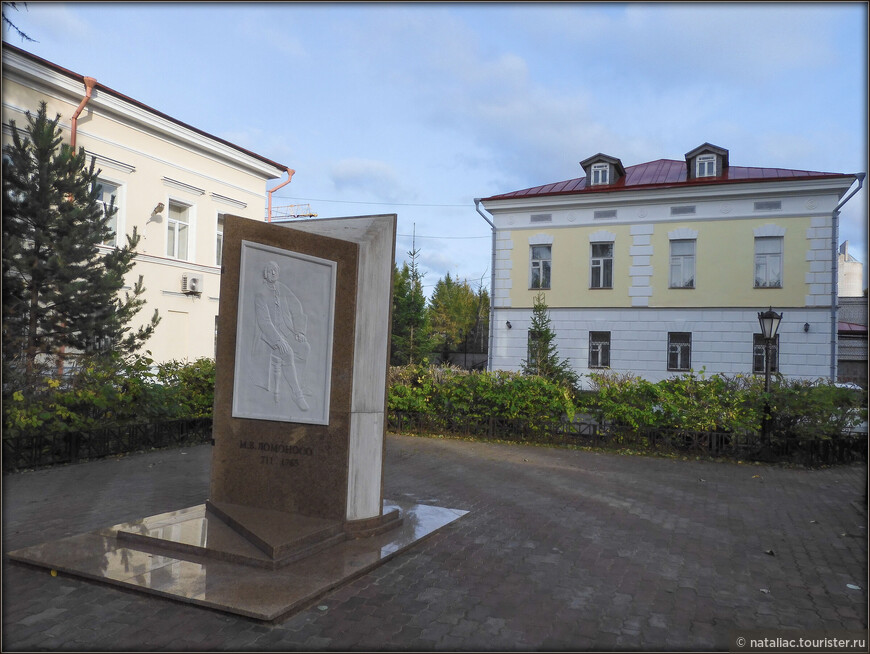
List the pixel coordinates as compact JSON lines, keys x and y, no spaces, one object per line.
{"x":109,"y":391}
{"x":442,"y":397}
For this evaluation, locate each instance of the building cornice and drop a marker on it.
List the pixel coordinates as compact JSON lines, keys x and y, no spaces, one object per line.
{"x":733,"y":191}
{"x":23,"y":69}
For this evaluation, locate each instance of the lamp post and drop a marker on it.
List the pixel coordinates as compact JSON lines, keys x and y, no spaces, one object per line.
{"x":769,"y":321}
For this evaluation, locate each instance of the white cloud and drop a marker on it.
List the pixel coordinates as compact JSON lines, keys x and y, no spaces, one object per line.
{"x":680,"y":43}
{"x":377,"y":178}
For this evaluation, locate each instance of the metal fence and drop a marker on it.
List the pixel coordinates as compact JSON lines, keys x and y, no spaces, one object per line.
{"x":844,"y":448}
{"x":41,"y":450}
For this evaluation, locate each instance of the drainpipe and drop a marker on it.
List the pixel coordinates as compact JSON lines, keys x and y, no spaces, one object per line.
{"x":835,"y":240}
{"x":491,"y":287}
{"x":290,"y":173}
{"x":90,"y":82}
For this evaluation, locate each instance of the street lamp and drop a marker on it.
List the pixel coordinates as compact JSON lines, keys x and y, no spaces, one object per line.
{"x":769,"y":321}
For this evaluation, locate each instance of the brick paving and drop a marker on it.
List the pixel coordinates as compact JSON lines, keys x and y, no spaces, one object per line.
{"x":562,"y":550}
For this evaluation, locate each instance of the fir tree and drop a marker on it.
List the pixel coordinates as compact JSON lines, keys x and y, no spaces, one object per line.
{"x":453,"y":312}
{"x":459,"y":315}
{"x":411,"y":334}
{"x":543,"y":359}
{"x":480,"y":331}
{"x":61,"y":296}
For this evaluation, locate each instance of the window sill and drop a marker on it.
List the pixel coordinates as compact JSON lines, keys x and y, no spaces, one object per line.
{"x":681,"y":288}
{"x":539,"y":288}
{"x":768,"y":288}
{"x":600,"y":288}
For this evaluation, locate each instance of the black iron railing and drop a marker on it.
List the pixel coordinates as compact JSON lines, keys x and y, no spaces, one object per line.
{"x":843,"y":448}
{"x":41,"y":450}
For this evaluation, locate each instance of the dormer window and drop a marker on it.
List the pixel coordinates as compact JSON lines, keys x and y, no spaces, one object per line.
{"x":707,"y":160}
{"x":705,"y":165}
{"x":600,"y":174}
{"x":602,"y":170}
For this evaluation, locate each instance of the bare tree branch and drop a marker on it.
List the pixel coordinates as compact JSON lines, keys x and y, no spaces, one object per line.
{"x":6,"y":21}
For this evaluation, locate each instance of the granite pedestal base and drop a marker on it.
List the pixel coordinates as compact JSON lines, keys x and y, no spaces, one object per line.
{"x":196,"y":555}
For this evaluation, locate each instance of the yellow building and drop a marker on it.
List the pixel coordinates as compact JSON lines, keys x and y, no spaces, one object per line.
{"x":661,"y":268}
{"x":170,"y":181}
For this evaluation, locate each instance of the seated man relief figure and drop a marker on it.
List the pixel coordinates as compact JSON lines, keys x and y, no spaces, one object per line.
{"x":280,"y":349}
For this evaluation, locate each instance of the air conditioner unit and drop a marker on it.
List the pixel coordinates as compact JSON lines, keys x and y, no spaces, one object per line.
{"x":191,"y":284}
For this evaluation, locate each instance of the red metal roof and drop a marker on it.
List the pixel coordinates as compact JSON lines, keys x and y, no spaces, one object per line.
{"x":664,"y":173}
{"x":851,"y":328}
{"x":106,"y":89}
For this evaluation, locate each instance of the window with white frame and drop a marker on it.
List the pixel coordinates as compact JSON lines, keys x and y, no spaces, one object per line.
{"x":599,"y":349}
{"x":601,"y":265}
{"x":600,"y":174}
{"x":178,"y":230}
{"x":758,"y":354}
{"x":108,"y":197}
{"x":705,"y":165}
{"x":679,"y":351}
{"x":682,"y":263}
{"x":219,"y":239}
{"x":541,"y":262}
{"x":768,"y":262}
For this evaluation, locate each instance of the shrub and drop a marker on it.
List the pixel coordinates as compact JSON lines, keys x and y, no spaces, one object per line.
{"x":111,"y":390}
{"x":799,"y":409}
{"x":809,"y":411}
{"x":191,"y":384}
{"x":691,"y":402}
{"x":623,"y":399}
{"x":448,"y":397}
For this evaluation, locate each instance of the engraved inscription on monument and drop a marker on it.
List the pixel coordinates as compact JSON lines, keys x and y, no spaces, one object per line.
{"x":283,"y":335}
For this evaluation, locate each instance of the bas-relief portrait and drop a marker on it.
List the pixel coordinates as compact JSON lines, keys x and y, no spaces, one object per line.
{"x":283,"y":335}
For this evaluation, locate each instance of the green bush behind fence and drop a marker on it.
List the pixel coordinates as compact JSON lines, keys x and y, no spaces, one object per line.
{"x":109,"y":404}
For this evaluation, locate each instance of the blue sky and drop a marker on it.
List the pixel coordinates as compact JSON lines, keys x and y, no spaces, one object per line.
{"x":416,"y":109}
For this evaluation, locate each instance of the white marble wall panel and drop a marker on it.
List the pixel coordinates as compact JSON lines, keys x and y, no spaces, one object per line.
{"x":364,"y":472}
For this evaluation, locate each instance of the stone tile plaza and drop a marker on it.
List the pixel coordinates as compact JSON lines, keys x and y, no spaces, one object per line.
{"x":540,"y":351}
{"x":560,"y":550}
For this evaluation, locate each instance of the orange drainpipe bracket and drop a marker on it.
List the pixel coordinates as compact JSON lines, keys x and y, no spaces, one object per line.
{"x":90,"y":83}
{"x":290,"y":173}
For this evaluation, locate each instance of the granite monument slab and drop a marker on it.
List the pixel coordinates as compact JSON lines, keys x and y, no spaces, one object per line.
{"x":296,"y":502}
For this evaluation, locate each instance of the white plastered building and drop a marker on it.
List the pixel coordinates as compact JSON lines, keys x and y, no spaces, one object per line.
{"x":170,"y":181}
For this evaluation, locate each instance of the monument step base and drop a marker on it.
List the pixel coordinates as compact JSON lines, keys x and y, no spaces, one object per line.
{"x":283,"y":537}
{"x":126,"y":556}
{"x":228,"y":532}
{"x":373,"y":526}
{"x":200,"y":532}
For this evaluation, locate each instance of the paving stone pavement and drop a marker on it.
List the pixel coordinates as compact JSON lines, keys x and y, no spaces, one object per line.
{"x":561,"y":550}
